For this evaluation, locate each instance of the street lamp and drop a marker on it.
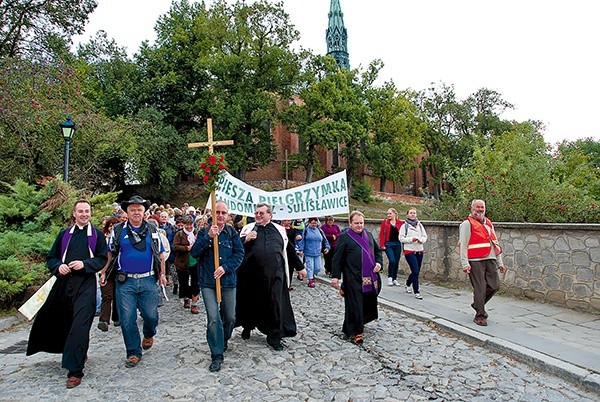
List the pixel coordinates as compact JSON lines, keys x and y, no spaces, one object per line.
{"x":68,"y":129}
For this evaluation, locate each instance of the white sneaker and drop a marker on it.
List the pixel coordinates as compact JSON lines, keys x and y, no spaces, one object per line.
{"x":408,"y":289}
{"x":396,"y":283}
{"x":390,"y":283}
{"x":418,"y":296}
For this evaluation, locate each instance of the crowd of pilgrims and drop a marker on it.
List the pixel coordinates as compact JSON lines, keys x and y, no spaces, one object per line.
{"x":178,"y":226}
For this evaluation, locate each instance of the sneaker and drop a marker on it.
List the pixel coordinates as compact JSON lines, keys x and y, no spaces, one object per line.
{"x":132,"y":361}
{"x":103,"y":326}
{"x":390,"y":282}
{"x":408,"y":289}
{"x":147,"y":343}
{"x":396,"y":283}
{"x":418,"y":296}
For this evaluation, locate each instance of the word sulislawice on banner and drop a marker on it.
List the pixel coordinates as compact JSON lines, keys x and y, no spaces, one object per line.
{"x":328,"y":196}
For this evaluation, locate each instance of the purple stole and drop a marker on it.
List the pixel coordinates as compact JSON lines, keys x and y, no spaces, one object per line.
{"x":370,"y":280}
{"x":92,"y":237}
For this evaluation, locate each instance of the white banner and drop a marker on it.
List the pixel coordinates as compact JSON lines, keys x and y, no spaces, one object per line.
{"x":30,"y":308}
{"x":328,"y":196}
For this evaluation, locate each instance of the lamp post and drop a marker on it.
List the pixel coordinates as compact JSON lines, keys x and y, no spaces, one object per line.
{"x":68,"y":129}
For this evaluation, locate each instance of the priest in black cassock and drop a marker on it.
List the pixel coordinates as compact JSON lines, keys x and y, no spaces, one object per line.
{"x":358,"y":259}
{"x":263,"y":299}
{"x":63,"y":323}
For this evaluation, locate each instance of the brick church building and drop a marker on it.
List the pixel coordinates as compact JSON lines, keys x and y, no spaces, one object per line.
{"x":287,"y":144}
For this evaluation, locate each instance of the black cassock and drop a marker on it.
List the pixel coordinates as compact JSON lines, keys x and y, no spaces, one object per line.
{"x":63,"y":323}
{"x":263,"y":299}
{"x":359,"y":308}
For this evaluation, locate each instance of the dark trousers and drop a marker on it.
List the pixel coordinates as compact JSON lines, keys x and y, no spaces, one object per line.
{"x":109,"y":302}
{"x":78,"y":340}
{"x":328,"y":259}
{"x":188,"y":283}
{"x":414,"y":261}
{"x":486,"y":282}
{"x":393,"y":250}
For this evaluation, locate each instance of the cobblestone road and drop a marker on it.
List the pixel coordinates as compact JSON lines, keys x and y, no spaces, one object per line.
{"x":402,"y":360}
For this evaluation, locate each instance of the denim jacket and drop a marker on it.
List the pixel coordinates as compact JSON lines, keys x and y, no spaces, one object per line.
{"x":231,"y":254}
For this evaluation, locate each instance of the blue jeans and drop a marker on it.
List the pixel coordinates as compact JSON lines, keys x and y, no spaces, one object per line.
{"x":393,"y":250}
{"x":414,"y":262}
{"x":133,"y":295}
{"x":220,"y":319}
{"x":313,"y":266}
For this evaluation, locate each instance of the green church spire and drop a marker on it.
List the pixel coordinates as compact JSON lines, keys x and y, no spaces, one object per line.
{"x":337,"y":36}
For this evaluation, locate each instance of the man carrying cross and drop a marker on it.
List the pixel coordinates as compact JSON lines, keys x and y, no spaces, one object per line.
{"x":220,"y":317}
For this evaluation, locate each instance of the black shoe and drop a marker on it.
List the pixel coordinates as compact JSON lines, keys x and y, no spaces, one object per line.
{"x":275,"y":343}
{"x":215,"y":365}
{"x":175,"y":289}
{"x":103,"y":326}
{"x":246,"y":333}
{"x":225,"y":347}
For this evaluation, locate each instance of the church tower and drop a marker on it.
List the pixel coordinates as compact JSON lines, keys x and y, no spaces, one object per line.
{"x":337,"y":36}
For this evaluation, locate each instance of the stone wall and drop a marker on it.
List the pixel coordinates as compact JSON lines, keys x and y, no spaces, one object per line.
{"x":554,"y":263}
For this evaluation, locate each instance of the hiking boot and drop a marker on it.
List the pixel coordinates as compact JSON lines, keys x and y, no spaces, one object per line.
{"x":215,"y":366}
{"x":102,"y":326}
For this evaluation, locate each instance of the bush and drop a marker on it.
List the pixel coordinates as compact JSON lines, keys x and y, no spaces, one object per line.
{"x":363,"y":192}
{"x":16,"y":276}
{"x":30,"y":218}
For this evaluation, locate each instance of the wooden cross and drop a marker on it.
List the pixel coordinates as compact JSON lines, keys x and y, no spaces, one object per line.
{"x":211,"y":144}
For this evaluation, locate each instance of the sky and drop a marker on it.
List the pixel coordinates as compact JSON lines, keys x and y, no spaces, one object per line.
{"x":540,"y":55}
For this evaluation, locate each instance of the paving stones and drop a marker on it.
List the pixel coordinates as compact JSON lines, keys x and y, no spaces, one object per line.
{"x":402,"y":359}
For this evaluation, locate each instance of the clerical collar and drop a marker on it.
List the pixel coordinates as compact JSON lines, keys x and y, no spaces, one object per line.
{"x":81,"y":227}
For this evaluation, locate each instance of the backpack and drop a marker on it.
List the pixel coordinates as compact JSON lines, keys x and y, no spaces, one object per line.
{"x":117,"y":230}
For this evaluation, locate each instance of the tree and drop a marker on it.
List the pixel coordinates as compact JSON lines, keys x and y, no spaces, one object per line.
{"x":578,"y":163}
{"x":35,"y":97}
{"x":396,"y":130}
{"x":109,"y":79}
{"x":323,"y":117}
{"x":511,"y":174}
{"x":228,"y":62}
{"x":457,"y":128}
{"x":34,"y":27}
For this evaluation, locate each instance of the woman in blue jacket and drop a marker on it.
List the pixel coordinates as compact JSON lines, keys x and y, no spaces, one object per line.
{"x":311,"y":246}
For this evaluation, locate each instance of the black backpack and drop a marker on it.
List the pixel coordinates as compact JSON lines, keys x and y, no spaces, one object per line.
{"x":117,"y":230}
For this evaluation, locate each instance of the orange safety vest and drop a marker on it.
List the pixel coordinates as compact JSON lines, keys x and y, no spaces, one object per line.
{"x":481,"y":241}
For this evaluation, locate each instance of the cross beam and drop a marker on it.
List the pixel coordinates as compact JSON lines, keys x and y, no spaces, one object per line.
{"x":211,"y":144}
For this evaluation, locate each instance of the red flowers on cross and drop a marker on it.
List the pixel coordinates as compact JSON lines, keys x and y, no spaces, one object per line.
{"x":210,"y":170}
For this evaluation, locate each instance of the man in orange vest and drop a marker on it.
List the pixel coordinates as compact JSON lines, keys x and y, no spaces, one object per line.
{"x":481,"y":258}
